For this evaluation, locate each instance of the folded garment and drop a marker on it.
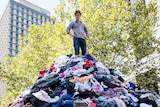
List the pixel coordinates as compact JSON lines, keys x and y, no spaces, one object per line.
{"x":43,"y":96}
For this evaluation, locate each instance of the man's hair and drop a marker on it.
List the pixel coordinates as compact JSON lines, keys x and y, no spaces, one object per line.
{"x":77,"y":11}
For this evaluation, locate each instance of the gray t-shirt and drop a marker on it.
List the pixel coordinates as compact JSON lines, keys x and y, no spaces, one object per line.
{"x":78,"y":28}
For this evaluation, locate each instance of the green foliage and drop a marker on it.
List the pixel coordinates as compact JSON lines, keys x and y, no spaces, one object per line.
{"x":120,"y":32}
{"x":44,"y":44}
{"x":149,"y":80}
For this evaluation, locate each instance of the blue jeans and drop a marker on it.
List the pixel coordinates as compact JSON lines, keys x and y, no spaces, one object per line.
{"x":79,"y":43}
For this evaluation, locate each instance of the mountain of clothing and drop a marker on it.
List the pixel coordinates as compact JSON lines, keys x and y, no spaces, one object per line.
{"x":74,"y":81}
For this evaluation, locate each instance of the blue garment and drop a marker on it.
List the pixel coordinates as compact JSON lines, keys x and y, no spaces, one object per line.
{"x":104,"y":102}
{"x":88,"y":56}
{"x":132,"y":85}
{"x":79,"y":43}
{"x":65,"y":101}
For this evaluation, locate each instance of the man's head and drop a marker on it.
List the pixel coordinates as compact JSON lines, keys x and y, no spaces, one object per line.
{"x":77,"y":15}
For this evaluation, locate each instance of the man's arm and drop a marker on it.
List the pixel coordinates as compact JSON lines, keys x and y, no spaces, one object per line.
{"x":69,"y":28}
{"x":86,"y":31}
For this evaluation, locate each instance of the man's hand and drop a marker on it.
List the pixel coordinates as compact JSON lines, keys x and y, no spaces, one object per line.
{"x":86,"y":37}
{"x":71,"y":35}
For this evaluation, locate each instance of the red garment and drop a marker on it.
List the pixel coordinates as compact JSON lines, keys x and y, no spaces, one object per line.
{"x":42,"y":72}
{"x":88,"y":63}
{"x":53,"y":69}
{"x":92,"y":105}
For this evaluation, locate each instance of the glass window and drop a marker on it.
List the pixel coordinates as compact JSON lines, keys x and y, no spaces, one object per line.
{"x":11,"y":40}
{"x":17,"y":24}
{"x":17,"y":7}
{"x":16,"y":37}
{"x":17,"y":18}
{"x":10,"y":45}
{"x":11,"y":34}
{"x":22,"y":32}
{"x":10,"y":52}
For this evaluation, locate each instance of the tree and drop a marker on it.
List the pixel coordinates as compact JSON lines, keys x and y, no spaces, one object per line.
{"x":120,"y":36}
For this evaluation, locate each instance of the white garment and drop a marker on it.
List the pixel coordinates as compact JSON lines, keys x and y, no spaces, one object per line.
{"x":74,"y":58}
{"x":90,"y":69}
{"x":145,"y":105}
{"x":79,"y":72}
{"x":82,"y":87}
{"x":43,"y":96}
{"x":101,"y":68}
{"x":119,"y":102}
{"x":26,"y":92}
{"x":158,"y":102}
{"x":61,"y":61}
{"x":96,"y":85}
{"x":149,"y":95}
{"x":133,"y":97}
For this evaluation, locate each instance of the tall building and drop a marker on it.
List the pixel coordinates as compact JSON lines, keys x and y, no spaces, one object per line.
{"x":17,"y":17}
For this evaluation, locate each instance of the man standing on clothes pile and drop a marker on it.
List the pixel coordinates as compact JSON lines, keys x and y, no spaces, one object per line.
{"x":80,"y":33}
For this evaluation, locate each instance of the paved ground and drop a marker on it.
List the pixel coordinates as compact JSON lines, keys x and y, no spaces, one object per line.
{"x":2,"y":89}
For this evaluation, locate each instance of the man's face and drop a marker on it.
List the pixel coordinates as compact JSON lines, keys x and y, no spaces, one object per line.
{"x":77,"y":16}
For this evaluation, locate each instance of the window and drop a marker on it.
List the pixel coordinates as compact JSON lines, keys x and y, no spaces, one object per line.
{"x":17,"y":51}
{"x":11,"y":45}
{"x":22,"y":32}
{"x":17,"y":18}
{"x":11,"y":34}
{"x":17,"y":24}
{"x":12,"y":10}
{"x":11,"y":28}
{"x":10,"y":52}
{"x":11,"y":22}
{"x":17,"y":13}
{"x":11,"y":40}
{"x":16,"y":38}
{"x":16,"y":30}
{"x":17,"y":7}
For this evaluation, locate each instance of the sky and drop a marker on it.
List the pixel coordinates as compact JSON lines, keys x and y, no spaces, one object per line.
{"x":46,"y":4}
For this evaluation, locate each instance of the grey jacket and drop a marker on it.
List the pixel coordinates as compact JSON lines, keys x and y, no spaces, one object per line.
{"x":78,"y":28}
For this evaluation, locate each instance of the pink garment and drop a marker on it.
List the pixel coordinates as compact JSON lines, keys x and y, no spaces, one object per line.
{"x":53,"y":69}
{"x":61,"y":75}
{"x":96,"y":86}
{"x":92,"y":105}
{"x":88,"y":63}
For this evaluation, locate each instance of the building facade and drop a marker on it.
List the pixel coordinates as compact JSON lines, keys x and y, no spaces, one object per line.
{"x":17,"y":17}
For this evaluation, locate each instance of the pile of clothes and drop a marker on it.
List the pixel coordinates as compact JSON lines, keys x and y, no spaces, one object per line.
{"x":82,"y":81}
